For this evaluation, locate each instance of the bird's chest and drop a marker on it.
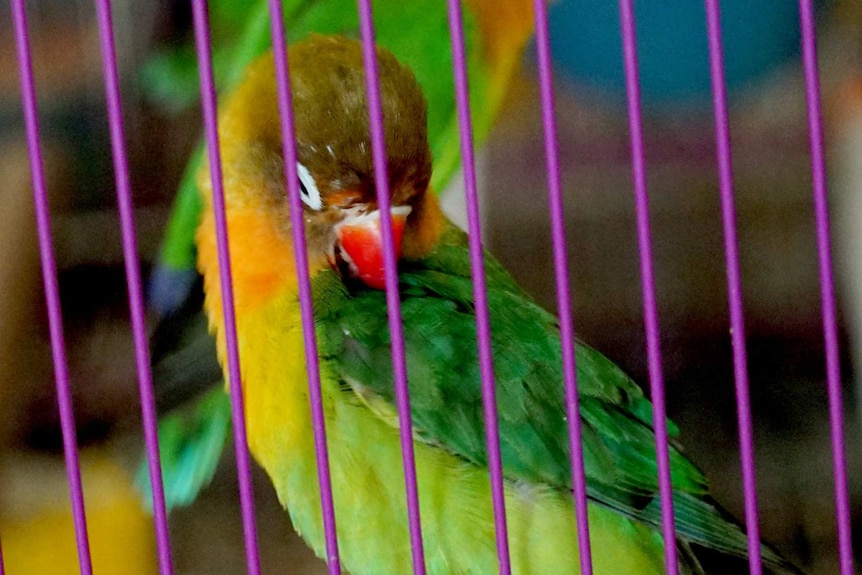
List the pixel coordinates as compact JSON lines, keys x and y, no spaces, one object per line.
{"x":275,"y":385}
{"x":364,"y":453}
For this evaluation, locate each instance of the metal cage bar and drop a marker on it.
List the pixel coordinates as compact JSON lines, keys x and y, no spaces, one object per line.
{"x":393,"y":300}
{"x":827,"y":287}
{"x":561,"y":270}
{"x":52,"y":292}
{"x":654,"y":358}
{"x":208,"y":100}
{"x":297,"y":224}
{"x":133,"y":279}
{"x":480,"y":290}
{"x":734,"y":284}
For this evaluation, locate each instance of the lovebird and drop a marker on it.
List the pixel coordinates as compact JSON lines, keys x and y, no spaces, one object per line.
{"x":496,"y":33}
{"x":345,"y":258}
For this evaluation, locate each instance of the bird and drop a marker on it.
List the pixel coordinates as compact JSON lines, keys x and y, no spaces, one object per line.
{"x":342,"y":225}
{"x":496,"y":33}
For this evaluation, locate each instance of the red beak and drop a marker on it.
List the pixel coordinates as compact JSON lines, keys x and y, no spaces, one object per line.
{"x":361,"y":242}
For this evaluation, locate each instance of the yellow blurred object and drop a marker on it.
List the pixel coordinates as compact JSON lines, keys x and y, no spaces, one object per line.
{"x":36,"y":526}
{"x":506,"y":26}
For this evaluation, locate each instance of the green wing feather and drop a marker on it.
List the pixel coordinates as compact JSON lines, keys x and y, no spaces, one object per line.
{"x":446,"y":401}
{"x":191,"y":442}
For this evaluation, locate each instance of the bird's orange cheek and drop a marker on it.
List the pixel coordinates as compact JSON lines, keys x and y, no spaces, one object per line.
{"x":262,"y":260}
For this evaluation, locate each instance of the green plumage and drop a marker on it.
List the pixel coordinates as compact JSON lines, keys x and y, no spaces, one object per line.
{"x":446,"y":400}
{"x":191,"y":442}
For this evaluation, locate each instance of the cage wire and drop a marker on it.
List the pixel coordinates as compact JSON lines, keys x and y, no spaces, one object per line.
{"x":561,"y":261}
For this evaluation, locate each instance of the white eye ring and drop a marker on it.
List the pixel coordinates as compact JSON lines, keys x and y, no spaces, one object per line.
{"x":308,"y":191}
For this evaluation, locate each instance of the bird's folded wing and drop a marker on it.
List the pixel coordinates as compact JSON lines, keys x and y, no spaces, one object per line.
{"x":446,"y":400}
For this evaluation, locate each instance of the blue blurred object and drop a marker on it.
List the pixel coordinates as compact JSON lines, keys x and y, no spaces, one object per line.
{"x":758,"y":35}
{"x":168,"y":288}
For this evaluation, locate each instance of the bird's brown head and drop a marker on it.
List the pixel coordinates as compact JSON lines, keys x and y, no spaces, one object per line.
{"x":335,"y":161}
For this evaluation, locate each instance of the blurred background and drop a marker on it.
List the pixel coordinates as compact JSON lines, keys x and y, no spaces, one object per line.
{"x":777,"y":249}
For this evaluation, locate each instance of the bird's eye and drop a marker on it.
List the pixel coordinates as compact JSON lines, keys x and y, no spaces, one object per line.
{"x":308,"y":189}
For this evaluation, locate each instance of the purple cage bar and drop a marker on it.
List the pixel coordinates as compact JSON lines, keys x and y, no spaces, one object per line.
{"x":561,"y":269}
{"x":627,"y":24}
{"x":480,"y":291}
{"x":133,"y":278}
{"x":393,"y":301}
{"x":288,"y":136}
{"x":824,"y":252}
{"x":208,"y":100}
{"x":734,"y":284}
{"x":483,"y":336}
{"x":49,"y":276}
